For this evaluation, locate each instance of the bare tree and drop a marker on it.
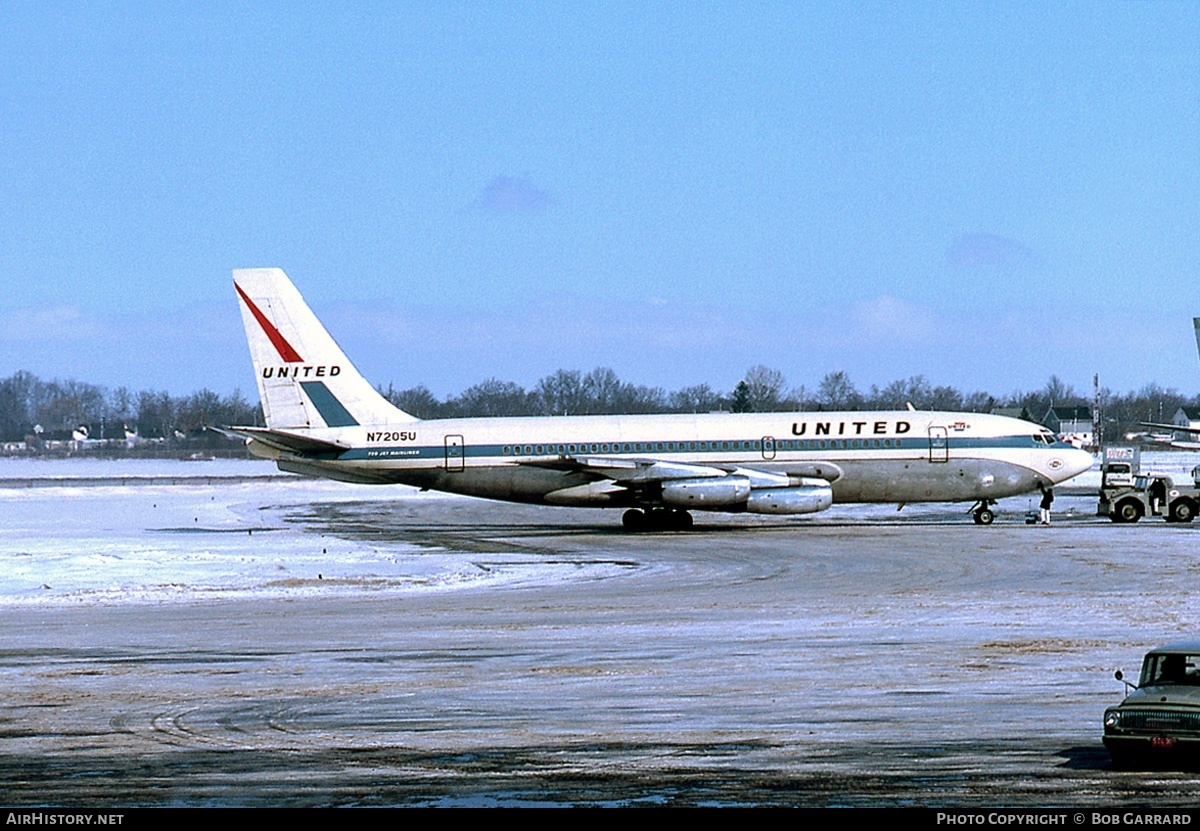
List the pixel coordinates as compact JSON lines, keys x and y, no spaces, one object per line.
{"x":764,"y":389}
{"x":836,"y":392}
{"x":497,"y":398}
{"x":695,"y":399}
{"x":68,"y":404}
{"x":17,"y":394}
{"x":562,"y":392}
{"x":636,"y":398}
{"x":978,"y":402}
{"x":417,"y":401}
{"x":601,"y":391}
{"x":156,"y":414}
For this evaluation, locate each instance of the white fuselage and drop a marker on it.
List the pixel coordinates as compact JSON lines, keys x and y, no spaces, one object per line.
{"x":899,"y":456}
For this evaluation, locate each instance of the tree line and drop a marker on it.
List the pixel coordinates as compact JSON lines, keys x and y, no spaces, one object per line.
{"x":31,"y":406}
{"x":763,"y":389}
{"x":28,"y":403}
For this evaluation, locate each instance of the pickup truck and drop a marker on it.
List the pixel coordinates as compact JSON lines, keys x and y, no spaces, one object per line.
{"x":1159,"y":720}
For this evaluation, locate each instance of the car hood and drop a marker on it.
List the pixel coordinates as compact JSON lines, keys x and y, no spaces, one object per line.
{"x":1173,"y":694}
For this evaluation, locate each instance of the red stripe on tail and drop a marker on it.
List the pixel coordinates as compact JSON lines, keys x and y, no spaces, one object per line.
{"x":289,"y":355}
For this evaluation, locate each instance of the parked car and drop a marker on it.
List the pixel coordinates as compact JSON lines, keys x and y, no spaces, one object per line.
{"x":1159,"y":720}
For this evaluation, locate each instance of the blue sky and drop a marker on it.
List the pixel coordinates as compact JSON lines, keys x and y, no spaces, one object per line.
{"x":982,"y":193}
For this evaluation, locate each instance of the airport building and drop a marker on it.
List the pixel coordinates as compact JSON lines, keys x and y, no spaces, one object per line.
{"x":1073,"y":425}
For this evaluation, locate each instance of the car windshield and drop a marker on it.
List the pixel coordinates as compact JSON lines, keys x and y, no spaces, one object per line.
{"x":1170,"y":668}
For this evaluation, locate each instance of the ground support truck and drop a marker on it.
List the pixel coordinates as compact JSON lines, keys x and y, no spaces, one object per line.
{"x":1127,"y":495}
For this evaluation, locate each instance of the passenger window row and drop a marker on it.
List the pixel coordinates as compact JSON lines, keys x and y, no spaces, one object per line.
{"x":696,"y":446}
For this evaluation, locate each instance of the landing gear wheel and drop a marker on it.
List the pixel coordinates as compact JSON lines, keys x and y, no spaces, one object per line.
{"x":656,"y":519}
{"x":981,"y":512}
{"x":634,"y":520}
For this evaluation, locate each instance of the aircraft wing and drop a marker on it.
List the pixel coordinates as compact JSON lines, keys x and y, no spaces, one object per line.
{"x":627,"y":470}
{"x":640,"y":471}
{"x":1174,"y":427}
{"x":624,"y":481}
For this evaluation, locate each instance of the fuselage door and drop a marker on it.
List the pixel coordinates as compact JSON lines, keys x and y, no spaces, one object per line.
{"x":939,"y":445}
{"x":768,"y":447}
{"x":456,"y":453}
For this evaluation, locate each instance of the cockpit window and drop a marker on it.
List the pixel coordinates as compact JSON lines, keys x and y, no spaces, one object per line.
{"x":1044,"y":438}
{"x":1171,"y":668}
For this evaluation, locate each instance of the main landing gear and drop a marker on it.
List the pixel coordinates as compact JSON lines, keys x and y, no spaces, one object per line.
{"x":982,"y":512}
{"x":656,"y":519}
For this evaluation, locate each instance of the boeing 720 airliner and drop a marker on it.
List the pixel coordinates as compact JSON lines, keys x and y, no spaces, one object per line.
{"x":324,"y":419}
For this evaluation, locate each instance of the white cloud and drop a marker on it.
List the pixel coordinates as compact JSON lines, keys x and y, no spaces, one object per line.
{"x":890,"y":318}
{"x":55,"y":323}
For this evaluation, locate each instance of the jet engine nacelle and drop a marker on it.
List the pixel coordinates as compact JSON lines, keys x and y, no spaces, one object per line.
{"x":807,"y":499}
{"x":707,"y":493}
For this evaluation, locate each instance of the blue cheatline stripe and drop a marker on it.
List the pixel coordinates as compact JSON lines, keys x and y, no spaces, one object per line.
{"x":330,"y":408}
{"x":917,"y":444}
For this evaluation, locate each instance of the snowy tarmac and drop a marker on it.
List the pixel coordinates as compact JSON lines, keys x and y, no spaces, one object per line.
{"x":296,"y":642}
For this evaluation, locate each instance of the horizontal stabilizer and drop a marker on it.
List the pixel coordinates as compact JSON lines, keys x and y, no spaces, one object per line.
{"x":331,"y":471}
{"x":283,"y":440}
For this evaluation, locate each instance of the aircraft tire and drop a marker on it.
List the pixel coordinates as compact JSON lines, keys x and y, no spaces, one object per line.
{"x":984,"y":516}
{"x":658,"y":519}
{"x":634,"y":520}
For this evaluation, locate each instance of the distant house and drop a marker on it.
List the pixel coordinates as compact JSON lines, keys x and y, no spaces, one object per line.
{"x":1072,"y":424}
{"x":1187,"y":417}
{"x":1014,"y":412}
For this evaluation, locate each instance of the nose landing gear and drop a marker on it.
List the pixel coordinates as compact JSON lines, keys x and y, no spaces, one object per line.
{"x":982,"y":513}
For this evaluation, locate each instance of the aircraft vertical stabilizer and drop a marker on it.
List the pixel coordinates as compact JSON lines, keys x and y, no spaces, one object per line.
{"x":1196,"y":326}
{"x":304,"y":379}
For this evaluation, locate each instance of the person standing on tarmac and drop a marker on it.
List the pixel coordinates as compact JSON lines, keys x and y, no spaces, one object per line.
{"x":1047,"y":501}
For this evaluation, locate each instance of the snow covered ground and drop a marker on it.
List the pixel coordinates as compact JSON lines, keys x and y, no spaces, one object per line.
{"x":15,"y":467}
{"x":208,"y":541}
{"x":181,"y":542}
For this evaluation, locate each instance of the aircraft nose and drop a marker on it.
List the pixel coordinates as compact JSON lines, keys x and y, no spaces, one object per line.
{"x":1073,"y":462}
